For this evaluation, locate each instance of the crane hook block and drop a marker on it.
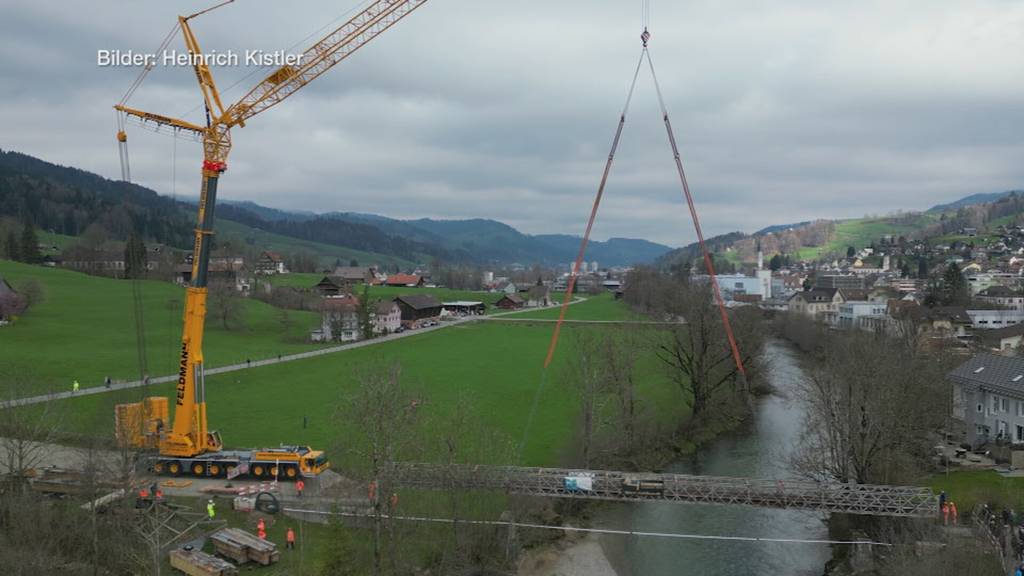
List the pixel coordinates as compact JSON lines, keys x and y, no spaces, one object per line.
{"x":214,"y":166}
{"x":645,"y":37}
{"x":121,"y":136}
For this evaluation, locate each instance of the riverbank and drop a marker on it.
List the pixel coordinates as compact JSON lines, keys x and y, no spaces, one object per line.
{"x":570,"y":556}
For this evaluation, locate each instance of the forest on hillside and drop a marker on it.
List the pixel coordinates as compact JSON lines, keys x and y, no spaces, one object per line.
{"x":68,"y":201}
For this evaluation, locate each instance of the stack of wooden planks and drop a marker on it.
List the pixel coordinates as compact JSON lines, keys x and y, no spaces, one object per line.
{"x":55,"y":480}
{"x":241,"y":546}
{"x":197,"y":563}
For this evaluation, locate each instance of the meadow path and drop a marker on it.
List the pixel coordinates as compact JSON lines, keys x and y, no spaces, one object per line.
{"x":102,"y":389}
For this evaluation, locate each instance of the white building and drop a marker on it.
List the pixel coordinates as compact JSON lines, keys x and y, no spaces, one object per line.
{"x":732,"y":285}
{"x":988,"y":396}
{"x":387,"y":317}
{"x":977,"y":282}
{"x":852,"y":313}
{"x":986,"y":319}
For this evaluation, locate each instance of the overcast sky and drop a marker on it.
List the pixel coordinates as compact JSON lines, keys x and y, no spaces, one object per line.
{"x":784,"y":111}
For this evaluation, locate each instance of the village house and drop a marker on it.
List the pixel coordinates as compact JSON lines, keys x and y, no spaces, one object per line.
{"x":418,"y":309}
{"x":1001,"y":296}
{"x":228,"y":270}
{"x":539,"y":296}
{"x":1005,"y":340}
{"x":510,"y":302}
{"x":506,"y":287}
{"x":820,"y":303}
{"x":329,"y":286}
{"x":339,"y":320}
{"x":271,"y":263}
{"x":405,"y":280}
{"x":988,"y":397}
{"x":356,"y":274}
{"x":935,"y":324}
{"x":387,"y":317}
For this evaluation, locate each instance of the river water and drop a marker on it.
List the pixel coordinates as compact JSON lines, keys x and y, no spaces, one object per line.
{"x":762,"y":453}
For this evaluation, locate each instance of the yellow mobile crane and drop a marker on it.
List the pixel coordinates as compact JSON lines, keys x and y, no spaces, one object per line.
{"x":188,"y":446}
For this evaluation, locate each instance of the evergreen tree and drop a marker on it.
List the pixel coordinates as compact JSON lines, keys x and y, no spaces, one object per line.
{"x":954,"y":287}
{"x":922,"y":268}
{"x":134,"y":257}
{"x":363,"y":311}
{"x":775,"y":263}
{"x":12,"y":250}
{"x":30,"y":244}
{"x":850,"y":251}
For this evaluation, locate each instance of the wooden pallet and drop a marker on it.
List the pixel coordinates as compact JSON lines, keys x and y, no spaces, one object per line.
{"x":54,"y":480}
{"x":242,"y":546}
{"x":196,"y":563}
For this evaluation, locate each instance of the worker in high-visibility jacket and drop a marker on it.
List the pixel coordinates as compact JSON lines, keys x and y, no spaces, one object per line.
{"x":210,"y":510}
{"x":261,"y":526}
{"x":289,"y":538}
{"x":299,"y":487}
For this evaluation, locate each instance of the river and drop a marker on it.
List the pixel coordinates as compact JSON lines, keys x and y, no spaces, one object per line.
{"x":762,"y":453}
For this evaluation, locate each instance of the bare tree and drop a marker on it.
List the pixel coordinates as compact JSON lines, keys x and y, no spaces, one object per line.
{"x":589,"y":380}
{"x":12,"y":305}
{"x":698,"y":354}
{"x":32,"y":291}
{"x":384,"y":418}
{"x":871,"y":406}
{"x":469,"y":439}
{"x":226,"y":306}
{"x":620,"y":351}
{"x":25,"y":435}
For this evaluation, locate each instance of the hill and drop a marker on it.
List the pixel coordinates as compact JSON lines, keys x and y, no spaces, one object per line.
{"x":972,"y":200}
{"x":492,"y":241}
{"x":66,"y":201}
{"x":830,"y":238}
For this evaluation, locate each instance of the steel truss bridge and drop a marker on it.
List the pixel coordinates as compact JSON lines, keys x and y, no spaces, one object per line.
{"x":905,"y":501}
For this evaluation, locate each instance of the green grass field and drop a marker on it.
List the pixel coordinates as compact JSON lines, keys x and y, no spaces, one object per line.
{"x":600,"y":307}
{"x":969,"y":488}
{"x":85,"y":330}
{"x":861,"y":232}
{"x":495,"y":368}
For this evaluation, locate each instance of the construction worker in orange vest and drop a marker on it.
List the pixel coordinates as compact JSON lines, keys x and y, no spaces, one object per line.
{"x":945,"y":513}
{"x":953,"y":512}
{"x":299,"y":487}
{"x":262,"y":534}
{"x":261,"y":526}
{"x":289,"y":538}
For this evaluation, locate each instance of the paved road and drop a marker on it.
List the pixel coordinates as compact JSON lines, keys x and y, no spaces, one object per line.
{"x":255,"y":363}
{"x":568,"y":321}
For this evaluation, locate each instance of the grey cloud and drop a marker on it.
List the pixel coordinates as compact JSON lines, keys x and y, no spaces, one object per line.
{"x":785,"y":111}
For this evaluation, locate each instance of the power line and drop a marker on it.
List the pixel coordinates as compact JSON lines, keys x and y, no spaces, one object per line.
{"x":610,"y":531}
